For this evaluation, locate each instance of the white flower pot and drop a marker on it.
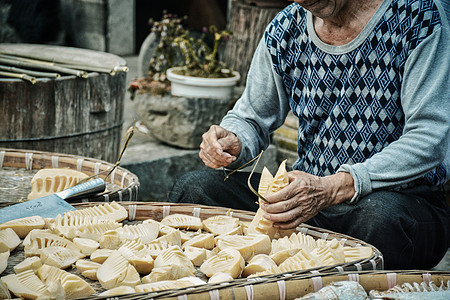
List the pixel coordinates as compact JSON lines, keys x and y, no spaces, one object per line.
{"x":198,"y":87}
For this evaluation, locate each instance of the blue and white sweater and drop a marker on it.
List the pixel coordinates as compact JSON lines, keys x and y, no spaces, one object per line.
{"x":377,"y":107}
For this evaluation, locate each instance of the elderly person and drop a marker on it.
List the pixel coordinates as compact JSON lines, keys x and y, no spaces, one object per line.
{"x":369,"y":83}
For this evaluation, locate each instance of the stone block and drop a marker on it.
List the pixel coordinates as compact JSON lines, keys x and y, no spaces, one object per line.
{"x":180,"y":121}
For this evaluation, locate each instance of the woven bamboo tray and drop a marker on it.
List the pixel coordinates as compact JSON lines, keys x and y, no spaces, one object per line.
{"x":17,"y":168}
{"x":237,"y":289}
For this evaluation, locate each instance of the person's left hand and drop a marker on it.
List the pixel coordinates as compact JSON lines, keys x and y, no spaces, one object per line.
{"x":305,"y":196}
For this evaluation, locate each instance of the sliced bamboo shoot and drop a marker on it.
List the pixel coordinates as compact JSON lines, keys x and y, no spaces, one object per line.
{"x":331,"y":253}
{"x":261,"y":225}
{"x":272,"y":270}
{"x":146,"y":232}
{"x":26,"y":285}
{"x":163,"y":229}
{"x":68,"y":225}
{"x":4,"y":292}
{"x":259,"y":263}
{"x":73,"y":286}
{"x":268,"y":185}
{"x":9,"y":240}
{"x":171,"y":239}
{"x":220,"y":277}
{"x":173,"y":256}
{"x":265,"y":182}
{"x":52,"y":180}
{"x":23,"y":226}
{"x":96,"y":231}
{"x":357,"y":253}
{"x":59,"y":257}
{"x":87,"y":268}
{"x":280,"y":256}
{"x":3,"y":261}
{"x":204,"y":240}
{"x":228,"y":261}
{"x":248,"y":245}
{"x":117,"y":271}
{"x":40,"y":240}
{"x":301,"y":261}
{"x":181,"y":221}
{"x":196,"y":255}
{"x":100,"y":255}
{"x":140,"y":259}
{"x":29,"y":263}
{"x":120,"y":290}
{"x":87,"y":246}
{"x":110,"y":240}
{"x":161,"y":285}
{"x":171,"y":272}
{"x":280,"y":180}
{"x":221,"y":224}
{"x":112,"y":211}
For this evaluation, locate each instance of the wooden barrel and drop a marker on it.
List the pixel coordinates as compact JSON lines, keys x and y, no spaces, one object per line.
{"x":247,"y":23}
{"x":81,"y":115}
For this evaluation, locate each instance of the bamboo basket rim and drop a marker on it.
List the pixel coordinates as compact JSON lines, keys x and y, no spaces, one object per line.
{"x":138,"y":211}
{"x":290,"y":286}
{"x":35,"y":160}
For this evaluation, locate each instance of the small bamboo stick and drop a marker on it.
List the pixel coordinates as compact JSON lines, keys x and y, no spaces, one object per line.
{"x":29,"y":72}
{"x":124,"y":144}
{"x":21,"y":63}
{"x":112,"y":71}
{"x":20,"y":76}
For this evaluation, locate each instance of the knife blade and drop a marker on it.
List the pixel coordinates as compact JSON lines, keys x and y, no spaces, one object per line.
{"x":52,"y":205}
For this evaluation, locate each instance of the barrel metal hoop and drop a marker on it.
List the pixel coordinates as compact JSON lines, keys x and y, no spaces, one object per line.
{"x":48,"y":138}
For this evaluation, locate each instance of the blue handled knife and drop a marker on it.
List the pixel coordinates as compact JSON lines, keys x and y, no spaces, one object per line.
{"x":52,"y":205}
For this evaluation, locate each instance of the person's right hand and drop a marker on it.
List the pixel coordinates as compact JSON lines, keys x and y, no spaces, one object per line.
{"x":219,"y":147}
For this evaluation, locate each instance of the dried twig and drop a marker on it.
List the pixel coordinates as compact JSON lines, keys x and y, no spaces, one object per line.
{"x":125,"y":141}
{"x":250,"y":176}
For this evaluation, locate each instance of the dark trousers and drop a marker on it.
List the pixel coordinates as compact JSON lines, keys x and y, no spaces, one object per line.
{"x":411,"y":228}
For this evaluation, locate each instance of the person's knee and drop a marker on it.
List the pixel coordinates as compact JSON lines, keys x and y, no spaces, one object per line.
{"x":382,"y":212}
{"x":182,"y":190}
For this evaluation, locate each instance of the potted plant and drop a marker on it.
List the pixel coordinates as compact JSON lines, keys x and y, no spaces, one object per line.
{"x":186,"y":87}
{"x":203,"y":74}
{"x":188,"y":60}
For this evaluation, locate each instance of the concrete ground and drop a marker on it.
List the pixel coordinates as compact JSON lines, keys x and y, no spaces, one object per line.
{"x":144,"y":150}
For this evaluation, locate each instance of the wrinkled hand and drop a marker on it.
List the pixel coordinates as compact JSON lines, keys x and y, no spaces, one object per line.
{"x":219,"y":147}
{"x":305,"y":196}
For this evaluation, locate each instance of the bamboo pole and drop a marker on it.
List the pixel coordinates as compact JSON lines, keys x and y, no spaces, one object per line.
{"x":29,"y":72}
{"x":42,"y":66}
{"x":112,"y":71}
{"x":20,"y":76}
{"x":68,"y":63}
